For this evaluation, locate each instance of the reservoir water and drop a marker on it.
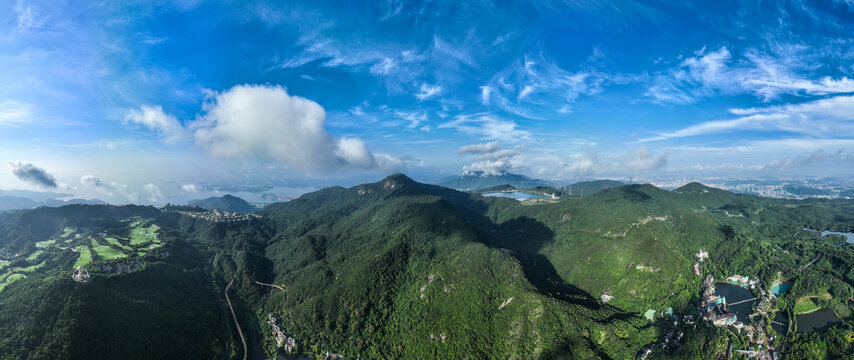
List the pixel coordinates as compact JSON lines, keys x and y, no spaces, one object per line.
{"x":734,"y":294}
{"x":819,"y":320}
{"x":518,"y":195}
{"x":780,"y":324}
{"x":848,"y":236}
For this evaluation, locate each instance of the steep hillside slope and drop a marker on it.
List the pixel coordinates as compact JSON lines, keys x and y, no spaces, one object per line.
{"x":400,"y":258}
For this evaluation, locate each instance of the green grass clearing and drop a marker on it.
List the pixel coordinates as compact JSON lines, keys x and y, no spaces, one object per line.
{"x":85,"y":256}
{"x":804,"y":305}
{"x":44,"y":244}
{"x":12,"y":278}
{"x":3,"y":263}
{"x":106,"y":252}
{"x":141,"y":253}
{"x":30,"y":268}
{"x":68,"y":231}
{"x":114,"y":241}
{"x":34,"y":255}
{"x":141,"y":235}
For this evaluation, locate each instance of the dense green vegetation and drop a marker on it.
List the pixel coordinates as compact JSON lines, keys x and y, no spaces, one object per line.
{"x":587,"y":188}
{"x":398,"y":269}
{"x":224,"y":203}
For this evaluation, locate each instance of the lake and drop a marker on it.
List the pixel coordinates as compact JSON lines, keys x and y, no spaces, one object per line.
{"x":734,"y":294}
{"x":819,"y":320}
{"x":780,"y":318}
{"x":848,"y":236}
{"x":518,"y":195}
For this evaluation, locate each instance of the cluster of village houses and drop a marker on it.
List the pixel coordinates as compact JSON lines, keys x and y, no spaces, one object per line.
{"x":713,"y":308}
{"x":284,"y":341}
{"x":219,"y":216}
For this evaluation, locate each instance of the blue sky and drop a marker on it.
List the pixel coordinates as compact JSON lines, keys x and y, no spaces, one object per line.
{"x":124,"y":99}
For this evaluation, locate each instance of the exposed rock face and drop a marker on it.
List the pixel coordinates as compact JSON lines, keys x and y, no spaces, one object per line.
{"x":390,"y":185}
{"x":80,"y":275}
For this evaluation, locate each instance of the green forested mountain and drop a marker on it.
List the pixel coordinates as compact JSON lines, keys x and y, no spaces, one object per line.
{"x":587,"y":188}
{"x":224,"y":203}
{"x":399,"y":269}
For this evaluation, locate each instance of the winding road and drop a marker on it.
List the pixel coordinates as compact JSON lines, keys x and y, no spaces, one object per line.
{"x":243,"y":339}
{"x":271,"y":285}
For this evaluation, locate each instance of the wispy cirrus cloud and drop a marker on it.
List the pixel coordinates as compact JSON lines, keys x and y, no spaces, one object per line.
{"x":29,"y":19}
{"x":766,"y":75}
{"x":415,"y":119}
{"x":427,"y":91}
{"x":487,"y":126}
{"x":15,"y":112}
{"x":824,"y":117}
{"x":535,"y":81}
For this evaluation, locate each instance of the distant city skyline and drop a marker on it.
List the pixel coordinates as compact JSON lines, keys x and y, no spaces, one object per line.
{"x":131,"y":100}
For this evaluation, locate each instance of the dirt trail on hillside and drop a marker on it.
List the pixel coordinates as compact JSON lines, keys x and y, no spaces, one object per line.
{"x":271,"y":285}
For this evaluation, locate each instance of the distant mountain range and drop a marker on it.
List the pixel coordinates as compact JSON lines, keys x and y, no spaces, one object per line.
{"x":478,"y":181}
{"x":507,"y":181}
{"x":224,"y":203}
{"x":13,"y":202}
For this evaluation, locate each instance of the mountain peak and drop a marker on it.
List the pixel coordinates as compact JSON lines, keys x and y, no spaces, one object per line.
{"x":395,"y":181}
{"x":226,"y":202}
{"x":399,"y":177}
{"x":693,"y":187}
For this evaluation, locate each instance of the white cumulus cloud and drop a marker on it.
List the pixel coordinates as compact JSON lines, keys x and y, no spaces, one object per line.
{"x":189,"y":188}
{"x":265,"y":121}
{"x":154,"y":192}
{"x":153,"y":118}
